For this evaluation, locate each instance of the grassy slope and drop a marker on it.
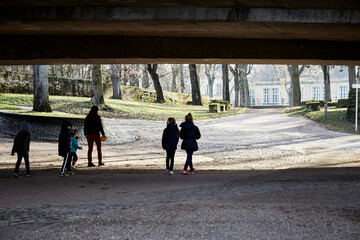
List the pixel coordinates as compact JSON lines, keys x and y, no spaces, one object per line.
{"x":115,"y":108}
{"x":336,"y":120}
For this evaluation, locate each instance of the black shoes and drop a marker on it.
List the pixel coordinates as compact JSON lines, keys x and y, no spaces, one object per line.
{"x":91,"y":165}
{"x":101,"y":164}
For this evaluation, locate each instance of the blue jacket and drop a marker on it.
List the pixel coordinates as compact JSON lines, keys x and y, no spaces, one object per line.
{"x":74,"y":145}
{"x":170,"y":137}
{"x":189,"y":133}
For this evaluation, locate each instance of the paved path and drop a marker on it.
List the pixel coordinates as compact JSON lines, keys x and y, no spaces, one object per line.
{"x":281,"y":178}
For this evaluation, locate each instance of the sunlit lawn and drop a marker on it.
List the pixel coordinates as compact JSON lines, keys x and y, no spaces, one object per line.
{"x":336,"y":118}
{"x":80,"y":106}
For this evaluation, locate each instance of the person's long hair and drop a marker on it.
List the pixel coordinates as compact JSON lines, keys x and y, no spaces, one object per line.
{"x":93,"y":111}
{"x":173,"y":122}
{"x":188,"y":118}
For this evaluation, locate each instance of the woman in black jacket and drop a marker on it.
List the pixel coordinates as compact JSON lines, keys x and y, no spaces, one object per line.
{"x":189,"y":133}
{"x":22,"y":147}
{"x":169,"y":141}
{"x":92,"y":129}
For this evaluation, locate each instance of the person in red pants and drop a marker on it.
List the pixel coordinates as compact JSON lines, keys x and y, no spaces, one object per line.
{"x":92,"y":129}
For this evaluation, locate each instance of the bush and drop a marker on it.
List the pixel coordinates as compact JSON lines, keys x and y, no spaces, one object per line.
{"x":331,"y":104}
{"x":313,"y":105}
{"x":342,"y":103}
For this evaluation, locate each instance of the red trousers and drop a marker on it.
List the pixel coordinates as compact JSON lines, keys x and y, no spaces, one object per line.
{"x":91,"y":138}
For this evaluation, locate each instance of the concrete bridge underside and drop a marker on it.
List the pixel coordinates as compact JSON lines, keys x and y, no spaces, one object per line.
{"x":174,"y":31}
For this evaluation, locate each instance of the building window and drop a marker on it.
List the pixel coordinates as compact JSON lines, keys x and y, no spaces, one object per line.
{"x":218,"y":89}
{"x":275,"y":95}
{"x":343,"y":92}
{"x":316,"y":93}
{"x":252,"y":97}
{"x":302,"y":94}
{"x":266,"y":96}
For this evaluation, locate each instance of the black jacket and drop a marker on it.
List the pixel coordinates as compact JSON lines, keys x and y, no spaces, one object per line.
{"x":93,"y":125}
{"x":189,"y":133}
{"x":21,"y":143}
{"x":170,"y":137}
{"x":65,"y":138}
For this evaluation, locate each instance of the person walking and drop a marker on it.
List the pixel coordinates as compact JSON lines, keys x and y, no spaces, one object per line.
{"x":65,"y":146}
{"x":74,"y":147}
{"x":22,"y":147}
{"x":189,"y":133}
{"x":169,"y":141}
{"x":92,"y":129}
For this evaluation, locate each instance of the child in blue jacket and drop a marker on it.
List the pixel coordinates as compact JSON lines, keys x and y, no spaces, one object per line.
{"x":74,"y":147}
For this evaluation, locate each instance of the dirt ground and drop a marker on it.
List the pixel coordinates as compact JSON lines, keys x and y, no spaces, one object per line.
{"x":260,"y":175}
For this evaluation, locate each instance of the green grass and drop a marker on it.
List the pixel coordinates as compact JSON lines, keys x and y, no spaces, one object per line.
{"x":115,"y":108}
{"x":336,"y":118}
{"x":8,"y":107}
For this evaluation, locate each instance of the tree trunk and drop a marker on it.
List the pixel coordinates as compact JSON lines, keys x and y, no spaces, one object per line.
{"x":244,"y":70}
{"x":175,"y":73}
{"x":210,"y":74}
{"x":351,"y":70}
{"x":195,"y":86}
{"x":326,"y":83}
{"x":152,"y":68}
{"x":235,"y":72}
{"x":225,"y":77}
{"x":295,"y":84}
{"x":182,"y":80}
{"x":115,"y":79}
{"x":145,"y":80}
{"x":41,"y":89}
{"x":97,"y":85}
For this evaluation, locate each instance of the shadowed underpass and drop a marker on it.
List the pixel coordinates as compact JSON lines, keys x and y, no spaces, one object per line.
{"x":260,"y":175}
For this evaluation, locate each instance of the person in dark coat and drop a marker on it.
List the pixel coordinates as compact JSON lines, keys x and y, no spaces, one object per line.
{"x":92,"y":129}
{"x":169,"y":141}
{"x":189,"y":133}
{"x":22,"y":147}
{"x":65,"y":146}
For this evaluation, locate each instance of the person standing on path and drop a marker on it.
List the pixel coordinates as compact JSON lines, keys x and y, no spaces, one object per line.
{"x":189,"y":133}
{"x":65,"y":146}
{"x":169,"y":141}
{"x":22,"y":147}
{"x":92,"y":129}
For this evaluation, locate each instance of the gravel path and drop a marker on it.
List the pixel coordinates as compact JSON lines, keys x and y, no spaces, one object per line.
{"x":261,"y":175}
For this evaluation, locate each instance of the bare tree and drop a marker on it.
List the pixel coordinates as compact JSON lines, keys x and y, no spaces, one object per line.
{"x":152,"y":69}
{"x":351,"y":70}
{"x":115,"y":79}
{"x":195,"y":85}
{"x":97,"y":86}
{"x":41,"y":89}
{"x":210,"y":74}
{"x":235,"y":71}
{"x":244,"y":71}
{"x":175,"y":69}
{"x":145,"y":83}
{"x":226,"y":85}
{"x":182,"y":80}
{"x":326,"y":74}
{"x":295,"y":73}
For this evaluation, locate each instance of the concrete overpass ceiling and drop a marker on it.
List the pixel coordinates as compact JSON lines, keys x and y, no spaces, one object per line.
{"x":294,"y":4}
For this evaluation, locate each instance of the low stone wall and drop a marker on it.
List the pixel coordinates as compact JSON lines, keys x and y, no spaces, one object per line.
{"x":42,"y":128}
{"x":15,"y":82}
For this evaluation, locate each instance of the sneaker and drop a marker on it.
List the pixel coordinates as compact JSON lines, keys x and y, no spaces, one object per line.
{"x":192,"y":172}
{"x":29,"y":174}
{"x":184,"y":172}
{"x":64,"y":174}
{"x":101,"y":164}
{"x":70,"y":173}
{"x":16,"y":175}
{"x":171,"y":172}
{"x":91,"y":165}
